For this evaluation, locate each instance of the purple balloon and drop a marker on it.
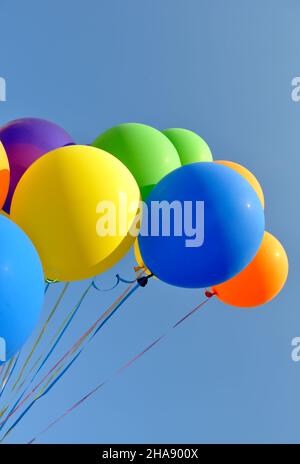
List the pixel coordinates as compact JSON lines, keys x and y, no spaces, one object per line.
{"x":25,"y":140}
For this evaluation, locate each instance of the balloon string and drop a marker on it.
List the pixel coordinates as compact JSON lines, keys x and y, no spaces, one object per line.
{"x":55,"y":340}
{"x":67,"y":321}
{"x":59,"y":333}
{"x":55,"y":377}
{"x":119,"y":279}
{"x":9,"y":372}
{"x":53,"y":344}
{"x":64,"y":327}
{"x":41,"y":334}
{"x":72,"y":314}
{"x":5,"y":372}
{"x":5,"y":375}
{"x":119,"y":371}
{"x":1,"y":370}
{"x":20,"y":402}
{"x":63,"y":330}
{"x":119,"y":302}
{"x":52,"y":381}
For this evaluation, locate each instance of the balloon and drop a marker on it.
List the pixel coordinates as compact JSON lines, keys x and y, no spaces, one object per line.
{"x":216,"y":229}
{"x":261,"y":280}
{"x":146,"y":152}
{"x":3,"y":213}
{"x":191,"y":147}
{"x":26,"y":140}
{"x":248,"y":176}
{"x":139,"y":258}
{"x":4,"y":175}
{"x":58,"y":204}
{"x":21,"y":288}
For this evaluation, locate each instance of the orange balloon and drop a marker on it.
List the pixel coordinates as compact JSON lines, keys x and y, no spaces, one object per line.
{"x":247,"y":175}
{"x":4,"y":175}
{"x":261,"y":280}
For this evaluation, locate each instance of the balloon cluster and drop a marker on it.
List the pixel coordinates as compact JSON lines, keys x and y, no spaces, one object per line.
{"x":50,"y":189}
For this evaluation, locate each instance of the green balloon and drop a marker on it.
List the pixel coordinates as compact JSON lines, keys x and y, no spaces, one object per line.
{"x":148,"y":154}
{"x":191,"y":147}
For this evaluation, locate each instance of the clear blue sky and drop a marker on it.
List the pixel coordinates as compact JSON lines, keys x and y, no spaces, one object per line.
{"x":223,"y":69}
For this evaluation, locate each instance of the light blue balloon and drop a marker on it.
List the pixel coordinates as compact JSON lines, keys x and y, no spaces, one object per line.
{"x":21,"y":288}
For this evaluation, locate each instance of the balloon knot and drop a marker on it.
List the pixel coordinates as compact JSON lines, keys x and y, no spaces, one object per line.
{"x":209,"y":294}
{"x":138,"y":268}
{"x":143,"y":281}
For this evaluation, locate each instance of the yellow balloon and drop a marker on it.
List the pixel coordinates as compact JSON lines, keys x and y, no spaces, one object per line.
{"x":4,"y":165}
{"x":139,"y":259}
{"x":4,"y":175}
{"x":64,"y":198}
{"x":3,"y":213}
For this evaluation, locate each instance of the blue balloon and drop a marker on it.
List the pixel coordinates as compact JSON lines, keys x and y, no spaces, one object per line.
{"x":217,"y":233}
{"x":21,"y":288}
